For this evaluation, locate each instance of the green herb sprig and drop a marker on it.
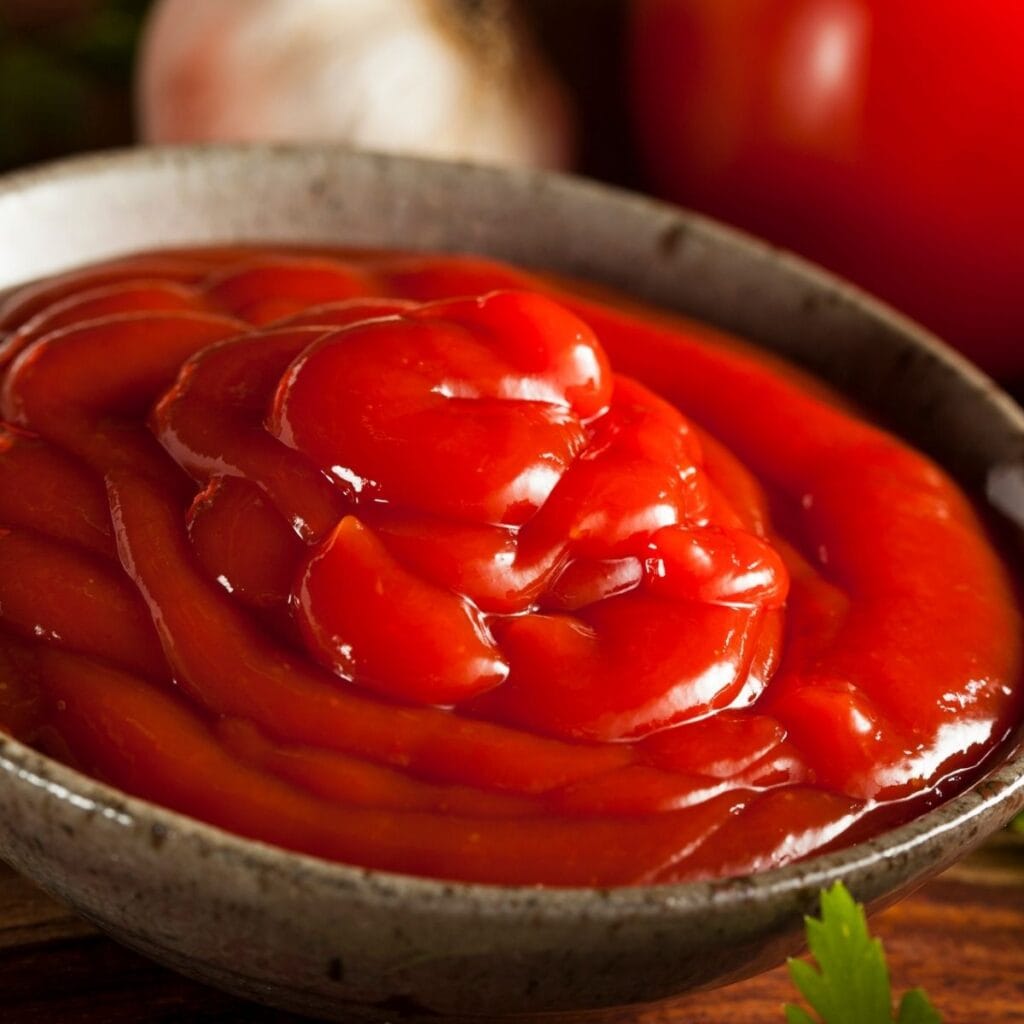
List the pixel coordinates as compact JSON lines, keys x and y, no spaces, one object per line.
{"x":851,"y":982}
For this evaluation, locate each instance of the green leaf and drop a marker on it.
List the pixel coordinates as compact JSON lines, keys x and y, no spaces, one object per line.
{"x":797,"y":1015}
{"x":915,"y":1008}
{"x":850,"y":984}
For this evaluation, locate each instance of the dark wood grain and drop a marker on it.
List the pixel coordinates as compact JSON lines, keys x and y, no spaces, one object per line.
{"x":961,"y":937}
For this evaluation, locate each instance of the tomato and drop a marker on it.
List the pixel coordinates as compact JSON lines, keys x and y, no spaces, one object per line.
{"x":882,"y":139}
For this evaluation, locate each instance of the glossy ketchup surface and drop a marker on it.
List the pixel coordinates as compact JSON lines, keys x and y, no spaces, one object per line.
{"x":427,"y":564}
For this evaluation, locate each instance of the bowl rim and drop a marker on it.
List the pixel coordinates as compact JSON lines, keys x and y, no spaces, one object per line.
{"x":994,"y":797}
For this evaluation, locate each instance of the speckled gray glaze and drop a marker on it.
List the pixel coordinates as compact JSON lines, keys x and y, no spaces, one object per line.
{"x":358,"y":945}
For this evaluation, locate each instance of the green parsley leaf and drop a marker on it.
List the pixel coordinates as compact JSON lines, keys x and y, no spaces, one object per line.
{"x":851,"y":982}
{"x":916,"y":1009}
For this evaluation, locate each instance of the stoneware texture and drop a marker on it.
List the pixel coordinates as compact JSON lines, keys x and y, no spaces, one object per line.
{"x":356,"y":945}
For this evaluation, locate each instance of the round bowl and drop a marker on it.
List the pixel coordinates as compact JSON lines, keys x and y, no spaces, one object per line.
{"x":350,"y":944}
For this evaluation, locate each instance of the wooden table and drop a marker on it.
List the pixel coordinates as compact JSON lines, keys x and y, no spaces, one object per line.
{"x":961,"y":937}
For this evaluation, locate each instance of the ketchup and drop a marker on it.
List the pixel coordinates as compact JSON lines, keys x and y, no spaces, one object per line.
{"x":428,"y":564}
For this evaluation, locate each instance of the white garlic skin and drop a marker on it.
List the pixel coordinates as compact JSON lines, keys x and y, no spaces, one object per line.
{"x":428,"y":77}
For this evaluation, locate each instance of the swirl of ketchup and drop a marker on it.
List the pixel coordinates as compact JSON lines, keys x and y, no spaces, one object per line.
{"x":378,"y":558}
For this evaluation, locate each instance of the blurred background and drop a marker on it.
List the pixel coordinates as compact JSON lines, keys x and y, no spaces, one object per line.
{"x":65,"y":76}
{"x":67,"y":73}
{"x":882,"y":139}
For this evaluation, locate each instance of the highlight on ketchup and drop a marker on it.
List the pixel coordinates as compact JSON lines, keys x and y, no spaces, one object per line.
{"x":427,"y":564}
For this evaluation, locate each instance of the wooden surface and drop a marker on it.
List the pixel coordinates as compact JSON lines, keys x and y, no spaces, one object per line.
{"x":961,"y":938}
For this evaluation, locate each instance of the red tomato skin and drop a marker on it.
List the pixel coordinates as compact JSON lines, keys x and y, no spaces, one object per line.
{"x":882,"y":140}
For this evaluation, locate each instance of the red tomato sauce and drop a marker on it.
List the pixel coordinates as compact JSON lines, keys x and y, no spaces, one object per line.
{"x":427,"y":564}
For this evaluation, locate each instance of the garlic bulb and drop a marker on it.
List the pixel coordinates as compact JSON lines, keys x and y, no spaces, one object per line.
{"x":447,"y":78}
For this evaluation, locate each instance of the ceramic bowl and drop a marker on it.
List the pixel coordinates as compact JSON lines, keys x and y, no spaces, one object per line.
{"x":351,"y":944}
